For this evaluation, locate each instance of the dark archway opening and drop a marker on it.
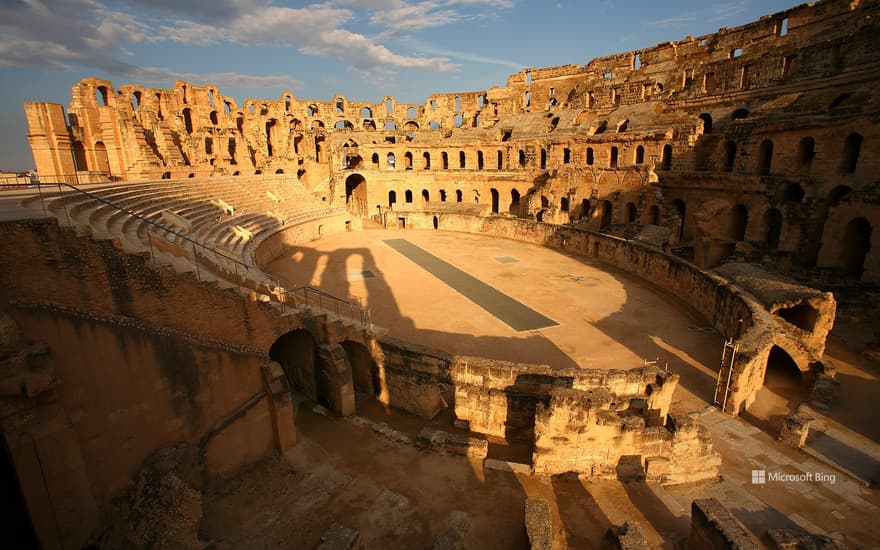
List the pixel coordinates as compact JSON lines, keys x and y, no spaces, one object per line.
{"x":356,"y":194}
{"x":514,"y":202}
{"x":295,"y":352}
{"x":707,"y":122}
{"x":739,"y":219}
{"x":678,"y":206}
{"x":408,"y":196}
{"x":392,"y":198}
{"x":765,"y":157}
{"x":782,"y":376}
{"x":495,"y":200}
{"x":607,"y":211}
{"x":436,"y":223}
{"x":729,"y":156}
{"x":772,"y":228}
{"x":585,"y":209}
{"x":803,"y":316}
{"x":364,"y":372}
{"x":18,"y":531}
{"x":855,"y":247}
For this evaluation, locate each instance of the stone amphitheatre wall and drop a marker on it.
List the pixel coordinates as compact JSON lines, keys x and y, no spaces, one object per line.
{"x":137,"y":360}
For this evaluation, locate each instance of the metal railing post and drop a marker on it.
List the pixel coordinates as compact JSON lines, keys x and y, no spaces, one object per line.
{"x":61,"y":200}
{"x":196,"y":260}
{"x":42,"y":201}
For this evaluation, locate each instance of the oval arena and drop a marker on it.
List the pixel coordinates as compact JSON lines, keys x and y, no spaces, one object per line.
{"x":584,"y":304}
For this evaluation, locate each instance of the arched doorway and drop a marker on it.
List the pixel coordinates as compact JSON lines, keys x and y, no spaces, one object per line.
{"x":364,"y":372}
{"x":585,"y":209}
{"x":739,"y":219}
{"x":772,"y":228}
{"x":783,"y":376}
{"x":356,"y":194}
{"x":102,"y":161}
{"x":295,"y":352}
{"x":494,"y":200}
{"x":855,"y":246}
{"x":607,"y":212}
{"x":678,"y":229}
{"x":514,"y":202}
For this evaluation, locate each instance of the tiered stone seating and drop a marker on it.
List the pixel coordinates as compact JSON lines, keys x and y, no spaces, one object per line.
{"x":191,"y":199}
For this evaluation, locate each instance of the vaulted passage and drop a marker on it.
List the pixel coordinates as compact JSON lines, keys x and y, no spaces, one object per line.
{"x":295,"y":351}
{"x":356,"y":194}
{"x":364,"y":372}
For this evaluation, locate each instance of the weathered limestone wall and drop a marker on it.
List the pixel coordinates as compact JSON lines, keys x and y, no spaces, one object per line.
{"x":590,"y":432}
{"x":139,"y":361}
{"x":499,"y":398}
{"x":714,"y":527}
{"x":273,"y":246}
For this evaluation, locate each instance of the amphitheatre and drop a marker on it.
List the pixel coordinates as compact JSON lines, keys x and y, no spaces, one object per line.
{"x":614,"y":305}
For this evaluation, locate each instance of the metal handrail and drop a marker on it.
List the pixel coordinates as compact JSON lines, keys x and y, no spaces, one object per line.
{"x":315,"y":297}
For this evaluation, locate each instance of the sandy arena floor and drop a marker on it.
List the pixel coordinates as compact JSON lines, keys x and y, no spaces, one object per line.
{"x":607,"y":318}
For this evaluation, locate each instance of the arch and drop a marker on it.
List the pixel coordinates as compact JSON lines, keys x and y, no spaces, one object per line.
{"x":500,"y":160}
{"x":772,"y":228}
{"x":390,"y":126}
{"x":343,"y":125}
{"x":838,"y":194}
{"x":739,"y":114}
{"x":408,"y":196}
{"x":543,"y":158}
{"x":855,"y":246}
{"x":356,"y":194}
{"x":514,"y":202}
{"x":426,"y":196}
{"x":495,"y":200}
{"x":374,"y":159}
{"x":213,"y":117}
{"x":317,"y":124}
{"x":666,"y":159}
{"x":389,"y":161}
{"x":366,"y":112}
{"x":408,"y":161}
{"x":802,"y":315}
{"x":369,"y":125}
{"x":392,"y":198}
{"x":585,"y":209}
{"x":707,"y":122}
{"x":187,"y":120}
{"x":590,"y":157}
{"x":412,"y":112}
{"x":295,"y":352}
{"x":479,"y":160}
{"x":101,"y":96}
{"x":640,"y":155}
{"x":522,"y":158}
{"x":457,"y":121}
{"x":279,"y":171}
{"x":765,"y":158}
{"x":340,"y":105}
{"x":607,"y":214}
{"x":782,"y":375}
{"x":443,"y":195}
{"x":444,"y":160}
{"x":612,"y":161}
{"x":426,"y":157}
{"x":166,"y":175}
{"x":389,"y":105}
{"x":739,"y":219}
{"x":458,"y":195}
{"x":410,"y":126}
{"x":729,"y":155}
{"x":102,"y":161}
{"x":806,"y":153}
{"x":436,"y":223}
{"x":434,"y":125}
{"x":654,"y":215}
{"x":851,"y":150}
{"x":631,"y":212}
{"x":679,"y":208}
{"x":462,"y":159}
{"x":364,"y":372}
{"x":79,"y":156}
{"x":793,"y":192}
{"x":564,"y":204}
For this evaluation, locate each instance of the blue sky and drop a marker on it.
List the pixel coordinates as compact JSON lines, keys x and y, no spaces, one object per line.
{"x":363,"y":49}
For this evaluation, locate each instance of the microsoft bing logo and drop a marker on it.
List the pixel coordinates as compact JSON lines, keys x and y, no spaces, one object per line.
{"x":759,"y":477}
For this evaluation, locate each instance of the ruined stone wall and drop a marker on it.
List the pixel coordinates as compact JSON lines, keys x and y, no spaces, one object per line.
{"x":587,"y":431}
{"x":138,"y":362}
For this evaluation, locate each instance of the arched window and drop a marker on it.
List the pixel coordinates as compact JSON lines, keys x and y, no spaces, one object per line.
{"x":772,"y":228}
{"x":666,"y":159}
{"x":640,"y":155}
{"x":765,"y":157}
{"x":392,"y":198}
{"x":707,"y":122}
{"x":462,"y":159}
{"x":612,"y":162}
{"x":590,"y":157}
{"x":427,"y":158}
{"x":389,"y":161}
{"x":729,"y":156}
{"x":444,"y":160}
{"x":739,"y":219}
{"x":851,"y":150}
{"x":458,"y":195}
{"x":806,"y":153}
{"x":408,"y":196}
{"x":631,"y":213}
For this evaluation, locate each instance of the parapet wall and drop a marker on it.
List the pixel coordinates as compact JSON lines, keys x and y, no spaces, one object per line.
{"x":732,"y":311}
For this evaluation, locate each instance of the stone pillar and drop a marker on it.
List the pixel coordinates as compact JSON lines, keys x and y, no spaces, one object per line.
{"x":281,"y":405}
{"x":795,"y":429}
